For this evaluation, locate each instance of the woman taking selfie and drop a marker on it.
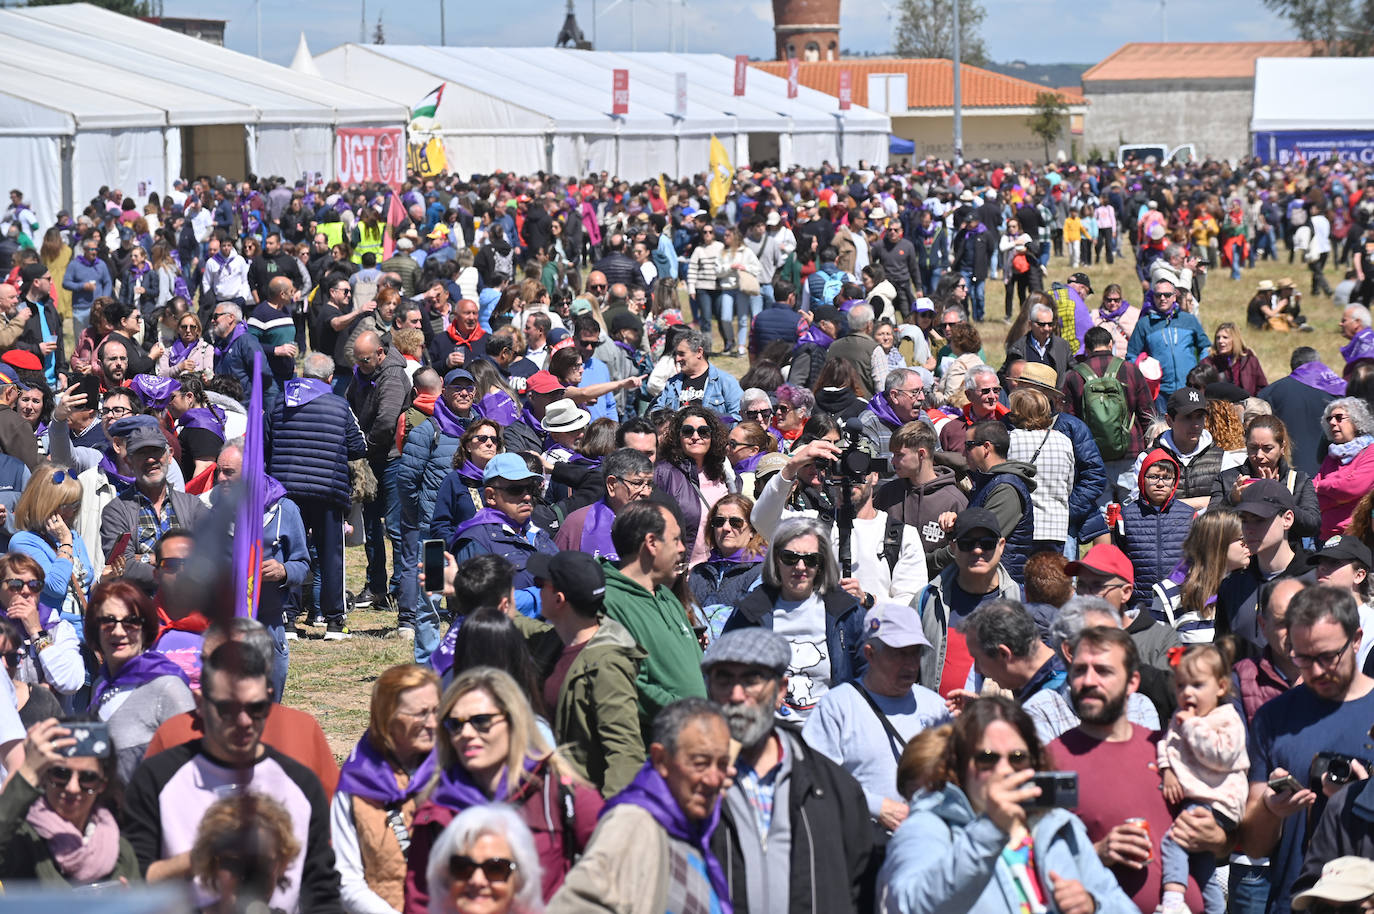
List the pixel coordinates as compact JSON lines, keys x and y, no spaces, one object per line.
{"x":56,"y":819}
{"x":972,"y":845}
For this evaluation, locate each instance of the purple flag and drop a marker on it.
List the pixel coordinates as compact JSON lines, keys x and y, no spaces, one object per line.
{"x":252,"y":504}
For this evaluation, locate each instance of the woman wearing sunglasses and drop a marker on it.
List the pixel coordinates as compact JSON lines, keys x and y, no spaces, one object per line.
{"x":459,"y":496}
{"x":135,"y":688}
{"x":745,"y":447}
{"x":802,"y":600}
{"x":735,"y":563}
{"x":376,"y":799}
{"x":485,"y":863}
{"x":490,"y":751}
{"x":46,"y":519}
{"x":971,"y":845}
{"x":56,"y":821}
{"x":693,"y":472}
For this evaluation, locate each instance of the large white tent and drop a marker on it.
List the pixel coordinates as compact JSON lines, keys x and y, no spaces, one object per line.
{"x":531,"y":109}
{"x":1296,"y":117}
{"x":89,"y":98}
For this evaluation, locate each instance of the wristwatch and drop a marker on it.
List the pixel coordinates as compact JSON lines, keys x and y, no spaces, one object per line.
{"x":43,"y":639}
{"x":868,"y":600}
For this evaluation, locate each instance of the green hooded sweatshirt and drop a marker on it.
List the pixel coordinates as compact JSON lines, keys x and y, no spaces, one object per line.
{"x":672,"y":669}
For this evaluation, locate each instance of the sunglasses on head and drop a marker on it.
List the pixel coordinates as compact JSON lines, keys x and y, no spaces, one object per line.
{"x":986,"y":760}
{"x":696,"y":431}
{"x":719,"y":521}
{"x":90,"y":781}
{"x":497,"y":869}
{"x":809,"y":559}
{"x":969,"y":543}
{"x":482,"y":723}
{"x":14,"y":585}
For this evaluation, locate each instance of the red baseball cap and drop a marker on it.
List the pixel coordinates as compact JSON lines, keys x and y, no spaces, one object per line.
{"x":1104,"y":559}
{"x":541,"y":382}
{"x":22,"y":358}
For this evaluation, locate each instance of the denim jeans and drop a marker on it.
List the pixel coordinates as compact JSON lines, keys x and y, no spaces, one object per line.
{"x":975,"y":294}
{"x":393,"y":524}
{"x":324,"y":532}
{"x":704,"y":306}
{"x":742,"y":307}
{"x":374,"y":528}
{"x":1249,"y":885}
{"x":281,"y":658}
{"x":429,"y":622}
{"x":1178,"y":864}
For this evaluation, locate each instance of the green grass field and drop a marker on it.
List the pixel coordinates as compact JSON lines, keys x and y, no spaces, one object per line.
{"x":333,"y":680}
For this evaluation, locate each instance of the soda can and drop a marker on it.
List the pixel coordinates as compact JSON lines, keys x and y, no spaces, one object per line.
{"x":1144,"y":825}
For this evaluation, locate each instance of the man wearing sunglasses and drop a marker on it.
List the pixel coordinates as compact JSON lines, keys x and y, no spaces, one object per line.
{"x":983,"y":388}
{"x":503,"y":527}
{"x":170,"y":792}
{"x":1043,"y":343}
{"x":1170,"y":335}
{"x":975,"y":576}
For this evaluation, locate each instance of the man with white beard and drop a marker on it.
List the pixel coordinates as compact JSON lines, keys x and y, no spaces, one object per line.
{"x":793,"y":821}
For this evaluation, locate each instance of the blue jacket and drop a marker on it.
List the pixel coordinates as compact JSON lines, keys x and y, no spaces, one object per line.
{"x":78,"y":274}
{"x":283,"y":539}
{"x":1153,"y":538}
{"x":457,"y":499}
{"x":1090,"y":476}
{"x":310,"y":439}
{"x":237,"y":362}
{"x":664,"y":257}
{"x":721,"y":394}
{"x":57,"y":571}
{"x":1023,"y":534}
{"x":1176,"y":339}
{"x":945,"y":858}
{"x":502,"y":540}
{"x":425,"y":461}
{"x":776,"y":322}
{"x":844,"y":628}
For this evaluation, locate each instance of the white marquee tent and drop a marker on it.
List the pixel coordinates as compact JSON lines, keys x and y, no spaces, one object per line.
{"x":531,"y":109}
{"x":91,"y":98}
{"x":1293,"y":118}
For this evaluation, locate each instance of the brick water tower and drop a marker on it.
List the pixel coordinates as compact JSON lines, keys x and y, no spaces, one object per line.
{"x":807,"y":29}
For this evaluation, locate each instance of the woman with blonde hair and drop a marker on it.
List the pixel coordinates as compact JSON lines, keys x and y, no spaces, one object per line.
{"x":374,"y":805}
{"x":491,"y":752}
{"x":45,"y":517}
{"x":1186,"y":600}
{"x":1034,"y":440}
{"x":56,"y":254}
{"x":1235,"y":361}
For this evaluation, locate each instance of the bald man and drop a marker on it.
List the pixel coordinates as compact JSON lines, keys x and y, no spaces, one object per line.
{"x":272,"y":325}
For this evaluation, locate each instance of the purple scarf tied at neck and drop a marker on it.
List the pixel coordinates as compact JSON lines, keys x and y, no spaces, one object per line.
{"x":740,"y":556}
{"x":1115,"y":313}
{"x":484,"y":517}
{"x":83,"y":857}
{"x":880,"y":407}
{"x":596,"y":532}
{"x":456,"y":790}
{"x":144,"y":668}
{"x":1317,"y":375}
{"x":748,"y":464}
{"x":111,"y":470}
{"x":813,"y":334}
{"x":1361,"y":347}
{"x":181,"y":350}
{"x":224,"y":345}
{"x":368,"y":775}
{"x":449,"y":422}
{"x":202,"y":418}
{"x":649,"y":791}
{"x":470,"y":472}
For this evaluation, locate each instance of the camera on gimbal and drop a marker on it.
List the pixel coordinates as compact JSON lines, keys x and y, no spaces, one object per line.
{"x":858,"y":457}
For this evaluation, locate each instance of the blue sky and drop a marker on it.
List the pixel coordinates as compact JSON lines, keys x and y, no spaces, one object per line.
{"x":1062,"y":32}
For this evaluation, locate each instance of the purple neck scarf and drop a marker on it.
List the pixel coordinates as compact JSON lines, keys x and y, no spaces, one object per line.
{"x":146,"y":667}
{"x":649,"y":791}
{"x":225,"y":344}
{"x":484,"y":517}
{"x":879,"y":407}
{"x":814,"y":334}
{"x":107,"y":464}
{"x":499,"y":408}
{"x":202,"y":418}
{"x":448,"y":421}
{"x":456,"y":789}
{"x":180,"y":350}
{"x":1318,"y":376}
{"x":470,"y":472}
{"x":740,"y":556}
{"x":367,"y":774}
{"x":1361,"y":347}
{"x":596,"y":532}
{"x":527,"y":417}
{"x":748,"y":464}
{"x":1115,"y":313}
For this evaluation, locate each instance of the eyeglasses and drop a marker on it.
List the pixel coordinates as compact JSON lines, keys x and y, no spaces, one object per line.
{"x":90,"y":781}
{"x":696,"y":431}
{"x":986,"y":760}
{"x":484,"y":439}
{"x":1111,"y":301}
{"x":719,"y":521}
{"x":782,"y":409}
{"x":587,"y":344}
{"x":496,"y":869}
{"x":789,"y":558}
{"x":171,"y":564}
{"x":916,"y":393}
{"x":529,"y":491}
{"x":110,"y":623}
{"x":732,"y":443}
{"x":758,"y":415}
{"x":1166,"y":294}
{"x":115,"y":412}
{"x":1327,"y":659}
{"x":482,"y":723}
{"x":189,"y":326}
{"x":750,"y":679}
{"x":1043,"y":323}
{"x":1337,"y":418}
{"x":636,"y":485}
{"x":1156,"y":479}
{"x":982,"y":543}
{"x":14,"y":585}
{"x":230,"y":710}
{"x":600,"y":287}
{"x":984,"y":391}
{"x":218,"y":314}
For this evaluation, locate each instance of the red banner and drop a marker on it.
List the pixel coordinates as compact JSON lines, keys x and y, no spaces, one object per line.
{"x":741,"y":67}
{"x":371,"y":154}
{"x":846,"y":90}
{"x":620,"y":91}
{"x":793,"y":77}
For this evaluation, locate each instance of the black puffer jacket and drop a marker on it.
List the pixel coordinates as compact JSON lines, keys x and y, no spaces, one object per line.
{"x":833,"y":860}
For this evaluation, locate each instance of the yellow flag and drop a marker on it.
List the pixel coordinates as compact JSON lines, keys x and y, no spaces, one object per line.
{"x":722,"y":173}
{"x":663,"y":187}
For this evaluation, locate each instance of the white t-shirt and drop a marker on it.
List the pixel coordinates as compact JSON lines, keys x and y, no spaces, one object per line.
{"x":808,"y":675}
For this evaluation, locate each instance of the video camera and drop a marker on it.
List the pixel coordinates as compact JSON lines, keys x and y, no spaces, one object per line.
{"x":857,"y":458}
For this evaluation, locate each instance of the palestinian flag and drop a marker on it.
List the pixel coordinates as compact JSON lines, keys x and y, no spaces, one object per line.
{"x":429,"y":104}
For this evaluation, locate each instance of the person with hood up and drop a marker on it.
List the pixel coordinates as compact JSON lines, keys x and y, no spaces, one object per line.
{"x":1153,"y":527}
{"x":1173,"y":336}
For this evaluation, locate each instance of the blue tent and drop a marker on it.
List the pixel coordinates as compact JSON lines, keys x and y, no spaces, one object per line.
{"x":899,"y":147}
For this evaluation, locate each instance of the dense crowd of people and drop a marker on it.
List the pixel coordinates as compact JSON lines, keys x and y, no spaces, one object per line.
{"x":736,"y":578}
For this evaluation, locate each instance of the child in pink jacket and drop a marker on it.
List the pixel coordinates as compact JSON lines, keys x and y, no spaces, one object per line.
{"x":1203,"y":762}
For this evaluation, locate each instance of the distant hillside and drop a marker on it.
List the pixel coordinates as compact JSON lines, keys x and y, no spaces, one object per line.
{"x":1053,"y":75}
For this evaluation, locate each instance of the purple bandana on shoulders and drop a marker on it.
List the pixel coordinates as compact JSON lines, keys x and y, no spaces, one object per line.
{"x":225,"y":344}
{"x":1361,"y":347}
{"x":814,"y":334}
{"x":200,"y":417}
{"x":365,"y":773}
{"x":144,"y":668}
{"x":748,"y":464}
{"x":456,"y":790}
{"x":879,"y":407}
{"x":596,"y":532}
{"x":740,"y":556}
{"x":181,"y":350}
{"x":448,"y":421}
{"x":649,"y":791}
{"x":482,"y":518}
{"x":498,"y":407}
{"x":1318,"y":376}
{"x":107,"y":465}
{"x":470,"y":473}
{"x":1113,"y":314}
